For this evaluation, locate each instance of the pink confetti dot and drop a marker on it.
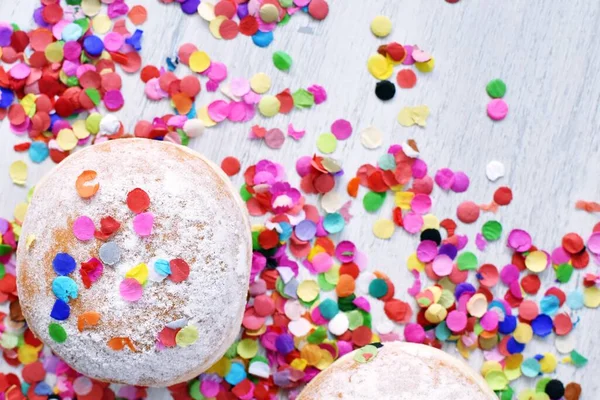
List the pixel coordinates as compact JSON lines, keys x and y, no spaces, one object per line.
{"x":497,"y":109}
{"x":143,"y":223}
{"x":83,"y":228}
{"x":130,"y":289}
{"x":341,"y":129}
{"x":414,"y":333}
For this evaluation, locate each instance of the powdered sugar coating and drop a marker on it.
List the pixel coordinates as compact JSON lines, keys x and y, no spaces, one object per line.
{"x":198,"y":217}
{"x":400,"y":371}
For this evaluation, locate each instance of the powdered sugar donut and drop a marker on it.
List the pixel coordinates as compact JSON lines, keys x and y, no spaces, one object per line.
{"x":143,"y":278}
{"x":398,"y":371}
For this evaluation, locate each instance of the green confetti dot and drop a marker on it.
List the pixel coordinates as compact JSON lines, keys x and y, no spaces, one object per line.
{"x":324,"y":284}
{"x":57,"y":332}
{"x":491,"y":230}
{"x":194,"y":391}
{"x":564,"y":272}
{"x":2,"y":271}
{"x":347,"y":303}
{"x":355,"y":319}
{"x":185,"y":139}
{"x":577,"y":359}
{"x":303,"y":98}
{"x":507,"y":394}
{"x":373,"y":201}
{"x":496,"y":88}
{"x":327,"y":143}
{"x":5,"y":249}
{"x":317,"y":336}
{"x":540,"y":386}
{"x":286,"y":18}
{"x":244,"y":193}
{"x":282,"y":60}
{"x":378,"y":288}
{"x":94,"y":95}
{"x":286,"y":3}
{"x":466,"y":261}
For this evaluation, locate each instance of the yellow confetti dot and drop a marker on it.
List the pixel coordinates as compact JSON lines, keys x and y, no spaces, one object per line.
{"x":403,"y":199}
{"x":18,"y":172}
{"x":513,"y":374}
{"x":91,"y":7}
{"x":221,"y":367}
{"x":333,"y":275}
{"x":247,"y":348}
{"x":526,"y":394}
{"x":426,"y":66}
{"x":523,"y":333}
{"x":514,"y":361}
{"x":139,"y":273}
{"x":591,"y":297}
{"x":536,"y":261}
{"x":205,"y":118}
{"x":311,"y":353}
{"x":381,"y":26}
{"x":30,"y":241}
{"x":496,"y":380}
{"x":27,"y":354}
{"x":101,"y":24}
{"x":446,"y":299}
{"x":260,"y":83}
{"x":66,"y":139}
{"x":269,"y":106}
{"x":490,"y":366}
{"x":20,"y":211}
{"x":410,"y":116}
{"x":548,"y":363}
{"x":308,"y":291}
{"x":430,"y":221}
{"x":186,"y":336}
{"x":326,"y":143}
{"x":413,"y":263}
{"x":28,"y":103}
{"x":199,"y":61}
{"x":80,"y":130}
{"x":214,"y":26}
{"x":206,"y":11}
{"x":269,"y":13}
{"x":326,"y":360}
{"x":435,"y":313}
{"x":380,"y":67}
{"x":383,"y":228}
{"x":54,"y":52}
{"x":299,"y":363}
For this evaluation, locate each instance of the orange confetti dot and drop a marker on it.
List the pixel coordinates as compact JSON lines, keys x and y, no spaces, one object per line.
{"x":345,"y":286}
{"x":119,"y":343}
{"x":353,"y":186}
{"x":81,"y":184}
{"x":87,"y":319}
{"x":182,"y":102}
{"x":138,"y":15}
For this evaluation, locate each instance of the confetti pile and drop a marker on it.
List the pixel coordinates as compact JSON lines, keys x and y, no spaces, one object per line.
{"x":258,"y":20}
{"x":65,"y":68}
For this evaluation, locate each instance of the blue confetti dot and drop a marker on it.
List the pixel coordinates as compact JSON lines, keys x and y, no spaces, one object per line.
{"x":329,"y":309}
{"x":549,"y":305}
{"x":542,"y":325}
{"x":442,"y":332}
{"x":236,"y":374}
{"x":63,"y":264}
{"x":6,"y":97}
{"x":162,"y":267}
{"x":64,"y":288}
{"x":135,"y":40}
{"x":575,"y":300}
{"x":514,"y":347}
{"x":60,"y":310}
{"x":262,"y":39}
{"x":286,"y":231}
{"x":334,"y":223}
{"x":43,"y":389}
{"x":508,"y":325}
{"x":93,"y":45}
{"x":530,"y":367}
{"x":38,"y":152}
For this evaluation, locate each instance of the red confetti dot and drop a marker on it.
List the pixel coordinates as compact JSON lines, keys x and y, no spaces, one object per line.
{"x":406,"y":78}
{"x":52,"y":13}
{"x":572,"y":243}
{"x":228,"y":29}
{"x":34,"y":372}
{"x":397,"y":310}
{"x":167,"y":336}
{"x":531,"y":284}
{"x":230,"y":165}
{"x":138,"y":201}
{"x":350,"y":269}
{"x":248,"y":25}
{"x":149,"y":72}
{"x":362,"y":336}
{"x":503,"y":196}
{"x":226,"y":8}
{"x":268,"y":239}
{"x":318,"y":9}
{"x":580,"y":260}
{"x":180,"y":270}
{"x":64,"y":108}
{"x":562,"y":324}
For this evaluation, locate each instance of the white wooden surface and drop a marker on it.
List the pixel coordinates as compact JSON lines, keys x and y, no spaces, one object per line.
{"x":546,"y":51}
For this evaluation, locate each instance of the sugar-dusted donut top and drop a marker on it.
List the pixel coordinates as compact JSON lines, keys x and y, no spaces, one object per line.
{"x":398,"y":371}
{"x":194,"y":219}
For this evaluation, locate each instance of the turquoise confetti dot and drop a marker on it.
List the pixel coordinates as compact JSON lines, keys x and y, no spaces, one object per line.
{"x":64,"y":288}
{"x":236,"y":374}
{"x":334,"y":223}
{"x":575,"y":300}
{"x":328,"y":309}
{"x":387,"y":162}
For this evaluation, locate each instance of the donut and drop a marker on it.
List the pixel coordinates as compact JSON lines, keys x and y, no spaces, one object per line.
{"x":135,"y":262}
{"x":398,"y":371}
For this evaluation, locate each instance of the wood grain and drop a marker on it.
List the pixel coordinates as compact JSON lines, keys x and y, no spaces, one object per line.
{"x":546,"y":52}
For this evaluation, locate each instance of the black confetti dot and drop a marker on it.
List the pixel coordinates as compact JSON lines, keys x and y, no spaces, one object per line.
{"x":555,"y":389}
{"x":385,"y":90}
{"x":433,"y":235}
